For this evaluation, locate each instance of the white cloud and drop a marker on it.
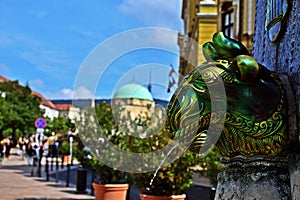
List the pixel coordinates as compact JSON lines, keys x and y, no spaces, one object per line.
{"x":82,"y":93}
{"x":66,"y":93}
{"x":153,"y":12}
{"x":62,"y":94}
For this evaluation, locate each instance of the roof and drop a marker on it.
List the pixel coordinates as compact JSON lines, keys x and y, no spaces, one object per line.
{"x":63,"y":106}
{"x":133,"y":90}
{"x":3,"y":79}
{"x":44,"y":101}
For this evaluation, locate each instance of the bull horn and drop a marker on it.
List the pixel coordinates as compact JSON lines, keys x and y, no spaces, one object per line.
{"x":245,"y":67}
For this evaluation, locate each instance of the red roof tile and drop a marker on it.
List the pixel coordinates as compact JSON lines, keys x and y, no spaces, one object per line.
{"x":44,"y":101}
{"x":63,"y":106}
{"x":3,"y":79}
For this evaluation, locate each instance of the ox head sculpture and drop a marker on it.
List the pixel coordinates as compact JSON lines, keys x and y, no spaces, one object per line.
{"x":251,"y":118}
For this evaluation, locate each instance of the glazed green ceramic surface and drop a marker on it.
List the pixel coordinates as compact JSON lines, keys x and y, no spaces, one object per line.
{"x":256,"y":118}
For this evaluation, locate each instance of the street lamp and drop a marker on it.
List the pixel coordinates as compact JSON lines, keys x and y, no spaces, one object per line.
{"x":70,"y":133}
{"x":71,"y":149}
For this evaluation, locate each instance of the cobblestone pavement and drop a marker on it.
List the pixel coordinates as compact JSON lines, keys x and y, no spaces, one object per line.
{"x":17,"y":183}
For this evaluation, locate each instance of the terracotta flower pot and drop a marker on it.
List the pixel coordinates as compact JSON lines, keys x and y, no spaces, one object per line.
{"x":153,"y":197}
{"x":110,"y":191}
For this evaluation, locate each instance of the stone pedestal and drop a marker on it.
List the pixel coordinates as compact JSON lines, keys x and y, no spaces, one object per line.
{"x":255,"y":178}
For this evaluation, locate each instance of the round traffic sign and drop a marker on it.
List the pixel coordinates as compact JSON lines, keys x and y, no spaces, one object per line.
{"x":40,"y":123}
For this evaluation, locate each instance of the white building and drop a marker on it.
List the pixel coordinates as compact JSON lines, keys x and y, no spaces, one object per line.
{"x":49,"y":108}
{"x":68,"y":111}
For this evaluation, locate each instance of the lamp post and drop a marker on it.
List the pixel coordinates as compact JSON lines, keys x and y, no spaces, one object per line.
{"x":70,"y":161}
{"x":71,"y":149}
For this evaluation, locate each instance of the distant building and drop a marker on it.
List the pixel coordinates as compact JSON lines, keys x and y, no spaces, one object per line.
{"x":47,"y":106}
{"x":135,"y":100}
{"x":3,"y":79}
{"x":68,"y":111}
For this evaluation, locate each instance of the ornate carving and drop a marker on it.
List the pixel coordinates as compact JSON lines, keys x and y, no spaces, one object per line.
{"x":277,"y":11}
{"x":256,"y":116}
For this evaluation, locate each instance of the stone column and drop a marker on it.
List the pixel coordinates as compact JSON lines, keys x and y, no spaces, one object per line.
{"x":255,"y":178}
{"x":294,"y":167}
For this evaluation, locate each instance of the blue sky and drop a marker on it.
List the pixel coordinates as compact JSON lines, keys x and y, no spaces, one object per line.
{"x":46,"y":44}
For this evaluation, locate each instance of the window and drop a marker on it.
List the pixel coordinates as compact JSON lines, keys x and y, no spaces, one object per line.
{"x":227,"y":19}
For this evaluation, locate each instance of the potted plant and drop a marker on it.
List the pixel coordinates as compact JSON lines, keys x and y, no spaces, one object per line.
{"x":64,"y":151}
{"x":171,"y":180}
{"x":111,"y":183}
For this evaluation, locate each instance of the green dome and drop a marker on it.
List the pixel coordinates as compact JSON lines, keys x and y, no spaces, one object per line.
{"x":135,"y":91}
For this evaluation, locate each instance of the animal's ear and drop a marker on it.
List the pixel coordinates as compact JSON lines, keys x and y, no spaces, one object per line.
{"x":209,"y":51}
{"x":223,"y":47}
{"x":245,"y":67}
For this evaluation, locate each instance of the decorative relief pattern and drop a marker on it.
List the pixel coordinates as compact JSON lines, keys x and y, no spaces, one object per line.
{"x":256,"y":116}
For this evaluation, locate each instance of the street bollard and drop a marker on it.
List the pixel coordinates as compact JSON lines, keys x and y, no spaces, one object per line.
{"x":51,"y":168}
{"x":39,"y":168}
{"x":34,"y":164}
{"x":68,"y":175}
{"x":56,"y":179}
{"x":81,"y":181}
{"x":47,"y":168}
{"x":32,"y":170}
{"x":62,"y":162}
{"x":212,"y":193}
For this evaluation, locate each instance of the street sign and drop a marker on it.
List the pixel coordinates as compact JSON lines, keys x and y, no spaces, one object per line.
{"x":40,"y":123}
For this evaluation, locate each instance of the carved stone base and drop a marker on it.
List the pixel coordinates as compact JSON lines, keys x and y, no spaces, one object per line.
{"x":294,"y":165}
{"x":255,"y":178}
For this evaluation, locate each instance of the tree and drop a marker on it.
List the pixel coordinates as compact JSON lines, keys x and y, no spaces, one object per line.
{"x":58,"y":125}
{"x":105,"y":117}
{"x":127,"y":135}
{"x":19,"y":109}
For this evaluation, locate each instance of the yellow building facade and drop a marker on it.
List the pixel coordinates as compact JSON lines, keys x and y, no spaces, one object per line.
{"x":202,"y":18}
{"x":200,"y":23}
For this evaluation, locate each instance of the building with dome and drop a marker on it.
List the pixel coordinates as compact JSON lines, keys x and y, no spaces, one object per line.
{"x":135,"y":100}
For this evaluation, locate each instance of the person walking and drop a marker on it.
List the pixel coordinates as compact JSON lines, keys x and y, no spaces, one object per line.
{"x":21,"y":143}
{"x":35,"y":155}
{"x":2,"y":150}
{"x":8,"y":144}
{"x":30,"y":154}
